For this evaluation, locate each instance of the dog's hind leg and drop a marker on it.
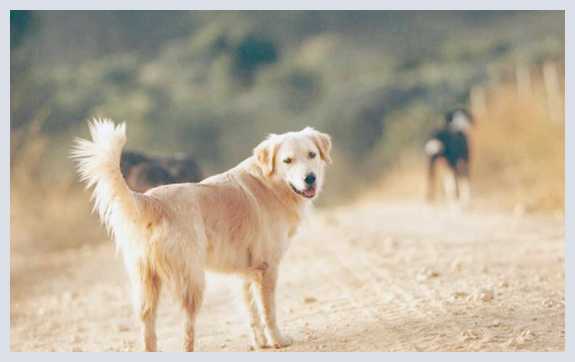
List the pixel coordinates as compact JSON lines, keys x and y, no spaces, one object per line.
{"x":431,"y":176}
{"x":191,"y":299}
{"x":463,"y":182}
{"x":448,"y":186}
{"x":451,"y":186}
{"x":146,"y":291}
{"x":433,"y":149}
{"x":464,"y":191}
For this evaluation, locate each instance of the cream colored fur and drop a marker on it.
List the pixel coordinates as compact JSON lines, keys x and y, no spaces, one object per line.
{"x":237,"y":222}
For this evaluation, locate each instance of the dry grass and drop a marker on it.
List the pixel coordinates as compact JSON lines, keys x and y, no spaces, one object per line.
{"x":518,"y":156}
{"x":48,"y":211}
{"x":519,"y":151}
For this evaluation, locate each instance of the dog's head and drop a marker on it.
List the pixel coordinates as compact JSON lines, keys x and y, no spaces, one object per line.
{"x":296,"y":158}
{"x":459,"y":120}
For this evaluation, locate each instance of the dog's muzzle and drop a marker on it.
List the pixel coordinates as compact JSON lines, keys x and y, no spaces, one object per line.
{"x":308,"y":193}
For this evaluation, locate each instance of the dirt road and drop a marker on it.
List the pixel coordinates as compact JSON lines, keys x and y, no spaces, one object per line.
{"x":377,"y":277}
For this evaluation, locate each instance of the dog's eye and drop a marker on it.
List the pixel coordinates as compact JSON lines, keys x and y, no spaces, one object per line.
{"x":287,"y":160}
{"x":311,"y":154}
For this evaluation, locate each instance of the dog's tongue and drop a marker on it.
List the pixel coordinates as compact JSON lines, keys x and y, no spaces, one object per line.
{"x":309,"y":192}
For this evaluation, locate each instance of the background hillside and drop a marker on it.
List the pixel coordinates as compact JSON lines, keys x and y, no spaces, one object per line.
{"x":215,"y":83}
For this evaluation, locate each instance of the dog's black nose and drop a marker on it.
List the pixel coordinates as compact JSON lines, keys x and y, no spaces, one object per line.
{"x":310,"y":179}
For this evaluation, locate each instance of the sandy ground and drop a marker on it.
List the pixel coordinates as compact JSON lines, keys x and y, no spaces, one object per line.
{"x":375,"y":277}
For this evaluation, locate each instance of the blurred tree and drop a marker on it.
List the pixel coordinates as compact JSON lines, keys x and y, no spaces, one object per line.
{"x":21,"y":25}
{"x":251,"y":54}
{"x":215,"y":83}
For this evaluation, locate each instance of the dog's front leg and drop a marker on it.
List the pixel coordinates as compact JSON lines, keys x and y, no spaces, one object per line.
{"x":255,"y":322}
{"x":266,"y":290}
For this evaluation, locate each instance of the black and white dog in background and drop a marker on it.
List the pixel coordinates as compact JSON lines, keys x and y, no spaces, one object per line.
{"x":449,"y":146}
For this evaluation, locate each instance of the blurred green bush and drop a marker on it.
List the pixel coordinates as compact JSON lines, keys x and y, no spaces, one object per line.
{"x":215,"y":83}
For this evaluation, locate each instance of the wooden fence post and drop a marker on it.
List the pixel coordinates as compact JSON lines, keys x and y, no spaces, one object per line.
{"x":523,"y":80}
{"x":478,"y":101}
{"x":552,"y":91}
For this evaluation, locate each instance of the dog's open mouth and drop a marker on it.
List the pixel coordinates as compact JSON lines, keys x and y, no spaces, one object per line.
{"x":307,"y":193}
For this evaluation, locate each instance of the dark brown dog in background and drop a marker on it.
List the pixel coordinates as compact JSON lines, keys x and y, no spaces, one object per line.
{"x":143,"y":172}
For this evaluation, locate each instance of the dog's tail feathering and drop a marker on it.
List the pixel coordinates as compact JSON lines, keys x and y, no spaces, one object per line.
{"x":98,"y":163}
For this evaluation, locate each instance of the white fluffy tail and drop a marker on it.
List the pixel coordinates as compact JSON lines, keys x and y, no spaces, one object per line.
{"x":98,"y":163}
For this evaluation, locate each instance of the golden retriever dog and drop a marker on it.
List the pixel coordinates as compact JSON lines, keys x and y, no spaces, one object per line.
{"x":239,"y":222}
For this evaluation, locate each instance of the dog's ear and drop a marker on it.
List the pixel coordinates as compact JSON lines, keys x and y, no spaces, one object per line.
{"x":322,"y":142}
{"x":265,"y":154}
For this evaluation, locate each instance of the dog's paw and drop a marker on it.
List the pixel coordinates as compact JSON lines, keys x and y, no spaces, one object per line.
{"x":282,"y":342}
{"x":258,"y":346}
{"x":258,"y":340}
